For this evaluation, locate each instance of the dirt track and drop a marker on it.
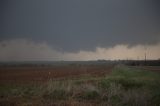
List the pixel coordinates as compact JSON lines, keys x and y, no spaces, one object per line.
{"x":40,"y":74}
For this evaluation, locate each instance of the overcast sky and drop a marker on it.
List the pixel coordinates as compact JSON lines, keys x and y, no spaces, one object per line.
{"x":75,"y":29}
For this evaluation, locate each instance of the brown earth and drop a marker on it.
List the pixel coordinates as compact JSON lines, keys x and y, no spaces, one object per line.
{"x":38,"y":74}
{"x":29,"y":74}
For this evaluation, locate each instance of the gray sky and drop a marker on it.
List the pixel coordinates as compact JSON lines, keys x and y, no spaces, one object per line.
{"x":79,"y":25}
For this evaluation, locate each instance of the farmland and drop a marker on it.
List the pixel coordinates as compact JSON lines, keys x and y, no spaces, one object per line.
{"x":77,"y":84}
{"x":29,"y":74}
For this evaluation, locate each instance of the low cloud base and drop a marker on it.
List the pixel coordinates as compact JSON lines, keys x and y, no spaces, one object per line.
{"x":27,"y":50}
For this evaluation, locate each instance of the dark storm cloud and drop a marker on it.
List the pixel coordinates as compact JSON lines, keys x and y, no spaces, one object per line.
{"x":74,"y":25}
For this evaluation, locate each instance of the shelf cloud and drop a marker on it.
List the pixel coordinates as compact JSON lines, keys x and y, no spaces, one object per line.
{"x":28,"y":50}
{"x":75,"y":25}
{"x":79,"y":29}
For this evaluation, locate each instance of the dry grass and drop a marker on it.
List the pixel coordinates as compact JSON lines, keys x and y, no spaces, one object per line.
{"x":124,"y":87}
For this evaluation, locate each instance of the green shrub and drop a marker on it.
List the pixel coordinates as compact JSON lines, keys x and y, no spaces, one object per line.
{"x":89,"y":95}
{"x":104,"y":84}
{"x":57,"y":94}
{"x":129,"y":83}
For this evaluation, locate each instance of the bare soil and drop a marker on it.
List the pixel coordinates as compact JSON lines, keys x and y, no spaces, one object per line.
{"x":29,"y":74}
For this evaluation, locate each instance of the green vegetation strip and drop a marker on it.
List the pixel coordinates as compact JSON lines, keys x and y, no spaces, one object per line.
{"x":123,"y":87}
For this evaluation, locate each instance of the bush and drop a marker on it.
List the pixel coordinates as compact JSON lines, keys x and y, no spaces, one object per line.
{"x":57,"y":94}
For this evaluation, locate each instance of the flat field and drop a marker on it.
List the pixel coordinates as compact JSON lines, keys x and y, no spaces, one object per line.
{"x":80,"y":85}
{"x":29,"y":74}
{"x":150,"y":68}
